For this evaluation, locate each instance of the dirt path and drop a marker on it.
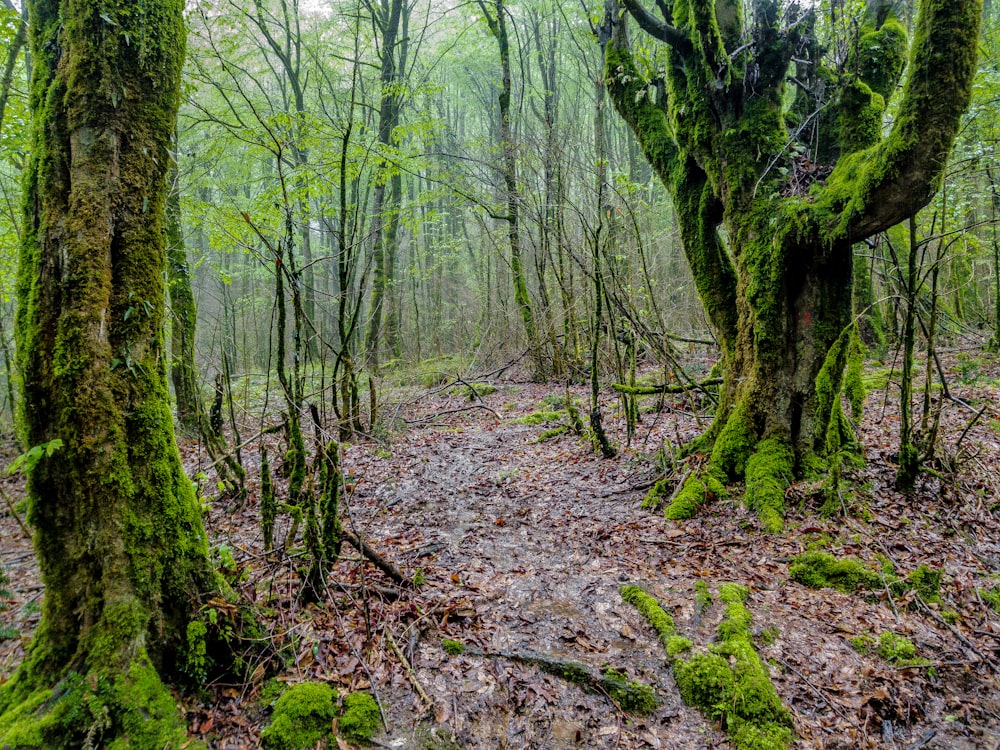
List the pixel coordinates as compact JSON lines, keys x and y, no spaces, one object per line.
{"x":522,"y":547}
{"x":539,"y":537}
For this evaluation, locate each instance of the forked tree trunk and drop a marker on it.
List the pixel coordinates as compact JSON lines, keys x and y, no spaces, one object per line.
{"x":118,"y":533}
{"x":768,"y":236}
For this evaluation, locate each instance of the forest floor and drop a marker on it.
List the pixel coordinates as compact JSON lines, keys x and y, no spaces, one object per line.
{"x":521,"y":546}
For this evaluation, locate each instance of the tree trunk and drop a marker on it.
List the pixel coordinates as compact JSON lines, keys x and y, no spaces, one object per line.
{"x":777,"y":283}
{"x":118,"y":533}
{"x":497,"y":20}
{"x":183,"y":372}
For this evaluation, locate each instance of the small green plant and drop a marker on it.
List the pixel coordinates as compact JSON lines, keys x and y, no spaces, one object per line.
{"x":7,"y":633}
{"x":863,"y":644}
{"x":540,"y":417}
{"x":633,"y":697}
{"x":452,"y":648}
{"x":27,"y":461}
{"x":991,"y":597}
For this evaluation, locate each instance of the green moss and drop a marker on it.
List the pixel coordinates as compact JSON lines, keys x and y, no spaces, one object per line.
{"x":925,"y":581}
{"x":268,"y":503}
{"x":475,"y":391}
{"x":128,"y":708}
{"x":730,"y":682}
{"x":895,"y":648}
{"x":677,"y":645}
{"x":991,"y":597}
{"x":769,"y":473}
{"x":360,"y":719}
{"x":452,"y":648}
{"x":633,"y":697}
{"x":697,"y":489}
{"x":553,"y":433}
{"x":706,"y":682}
{"x":735,"y":443}
{"x":540,"y":417}
{"x":196,"y":652}
{"x":863,"y":644}
{"x":649,"y":608}
{"x":302,"y":718}
{"x":823,"y":570}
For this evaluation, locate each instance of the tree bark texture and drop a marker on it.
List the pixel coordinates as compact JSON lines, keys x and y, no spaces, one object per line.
{"x":118,"y":532}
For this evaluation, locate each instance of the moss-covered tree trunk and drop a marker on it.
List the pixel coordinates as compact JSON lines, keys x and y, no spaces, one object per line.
{"x":768,"y":222}
{"x":118,"y":534}
{"x":183,"y":314}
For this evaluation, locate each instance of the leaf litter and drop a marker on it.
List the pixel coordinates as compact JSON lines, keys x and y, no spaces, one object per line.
{"x":520,"y":548}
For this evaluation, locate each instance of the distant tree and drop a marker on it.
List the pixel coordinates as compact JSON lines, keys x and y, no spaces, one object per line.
{"x":769,"y":206}
{"x":118,"y":532}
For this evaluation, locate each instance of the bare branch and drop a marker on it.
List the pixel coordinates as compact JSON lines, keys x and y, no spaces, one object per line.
{"x":656,"y":28}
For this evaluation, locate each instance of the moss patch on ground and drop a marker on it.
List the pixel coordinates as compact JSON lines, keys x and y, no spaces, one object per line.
{"x":818,"y":570}
{"x":821,"y":570}
{"x":303,"y":718}
{"x":728,"y":681}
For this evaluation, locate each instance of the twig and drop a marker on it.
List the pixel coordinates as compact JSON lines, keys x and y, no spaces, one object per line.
{"x":654,"y":390}
{"x":409,"y":669}
{"x":818,"y":692}
{"x":17,"y":517}
{"x":453,"y":411}
{"x":924,"y":740}
{"x":968,"y":644}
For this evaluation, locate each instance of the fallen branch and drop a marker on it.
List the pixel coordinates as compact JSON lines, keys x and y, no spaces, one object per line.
{"x":656,"y":390}
{"x":629,"y":695}
{"x":380,"y":562}
{"x":453,"y":411}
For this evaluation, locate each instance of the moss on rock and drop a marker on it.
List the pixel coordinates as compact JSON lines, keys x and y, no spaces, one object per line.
{"x":730,"y":683}
{"x":649,"y":608}
{"x":634,"y":697}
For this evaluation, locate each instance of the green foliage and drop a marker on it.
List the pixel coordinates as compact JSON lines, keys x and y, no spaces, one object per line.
{"x":452,"y":648}
{"x":540,"y":417}
{"x":302,"y":718}
{"x":360,"y":718}
{"x":730,"y":683}
{"x":268,"y":503}
{"x":991,"y":597}
{"x":196,"y":652}
{"x":6,"y":632}
{"x":27,"y":461}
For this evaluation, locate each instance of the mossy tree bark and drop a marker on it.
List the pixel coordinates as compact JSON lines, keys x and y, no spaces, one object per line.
{"x":118,"y":534}
{"x":183,"y":314}
{"x":771,"y":253}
